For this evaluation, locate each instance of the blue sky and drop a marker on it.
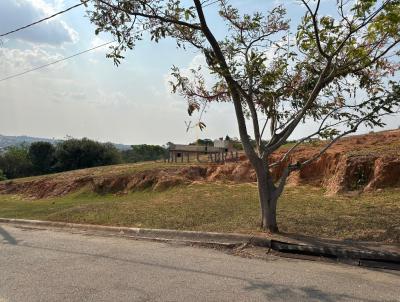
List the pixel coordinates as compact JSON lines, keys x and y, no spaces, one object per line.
{"x":88,"y":96}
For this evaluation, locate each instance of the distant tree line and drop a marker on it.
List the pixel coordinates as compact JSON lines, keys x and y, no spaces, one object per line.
{"x":139,"y":153}
{"x":237,"y":144}
{"x":44,"y":158}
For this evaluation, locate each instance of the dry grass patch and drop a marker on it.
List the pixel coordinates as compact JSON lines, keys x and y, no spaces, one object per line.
{"x":224,"y":208}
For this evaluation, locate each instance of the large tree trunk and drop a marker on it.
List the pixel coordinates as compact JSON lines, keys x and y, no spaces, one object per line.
{"x":268,"y":196}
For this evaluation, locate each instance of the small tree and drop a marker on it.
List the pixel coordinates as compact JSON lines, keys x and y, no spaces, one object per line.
{"x":42,"y":156}
{"x":334,"y":71}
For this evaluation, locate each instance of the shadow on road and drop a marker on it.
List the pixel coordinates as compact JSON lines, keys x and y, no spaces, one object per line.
{"x":345,"y":244}
{"x":268,"y":289}
{"x":7,"y":237}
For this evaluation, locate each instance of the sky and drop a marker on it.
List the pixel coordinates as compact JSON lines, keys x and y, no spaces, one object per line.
{"x":88,"y":96}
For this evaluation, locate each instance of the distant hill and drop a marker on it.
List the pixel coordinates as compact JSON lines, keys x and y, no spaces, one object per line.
{"x":7,"y":141}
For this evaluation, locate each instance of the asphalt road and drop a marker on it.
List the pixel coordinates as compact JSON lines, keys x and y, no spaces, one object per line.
{"x":44,"y":265}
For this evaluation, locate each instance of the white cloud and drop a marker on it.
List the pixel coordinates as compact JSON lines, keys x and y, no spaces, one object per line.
{"x":97,"y":97}
{"x":14,"y":61}
{"x":17,"y":13}
{"x":97,"y":41}
{"x":61,"y":96}
{"x":114,"y":98}
{"x":93,"y":61}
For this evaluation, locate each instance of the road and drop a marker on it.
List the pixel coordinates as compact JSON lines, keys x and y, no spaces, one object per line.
{"x":46,"y":265}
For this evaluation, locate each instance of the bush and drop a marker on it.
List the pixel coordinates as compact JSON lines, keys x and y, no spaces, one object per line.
{"x":85,"y":153}
{"x":42,"y":156}
{"x":15,"y":162}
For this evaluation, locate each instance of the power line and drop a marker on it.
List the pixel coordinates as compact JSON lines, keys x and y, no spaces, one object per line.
{"x":69,"y":57}
{"x":55,"y":62}
{"x":62,"y":12}
{"x":211,"y":3}
{"x":44,"y":19}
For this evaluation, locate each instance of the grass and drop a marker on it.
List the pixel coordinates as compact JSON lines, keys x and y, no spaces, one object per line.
{"x":225,"y":208}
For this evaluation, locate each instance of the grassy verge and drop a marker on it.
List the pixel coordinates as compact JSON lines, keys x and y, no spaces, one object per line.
{"x":224,"y":208}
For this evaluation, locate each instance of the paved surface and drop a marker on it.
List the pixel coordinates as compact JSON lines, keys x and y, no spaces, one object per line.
{"x":44,"y":265}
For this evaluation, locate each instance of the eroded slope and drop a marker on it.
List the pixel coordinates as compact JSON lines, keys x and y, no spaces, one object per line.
{"x":365,"y":162}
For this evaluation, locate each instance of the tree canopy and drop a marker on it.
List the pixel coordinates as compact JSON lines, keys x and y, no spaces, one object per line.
{"x":15,"y":162}
{"x":337,"y":70}
{"x":42,"y":156}
{"x":85,"y":153}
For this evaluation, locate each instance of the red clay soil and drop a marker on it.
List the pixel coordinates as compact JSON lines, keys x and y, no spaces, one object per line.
{"x":364,"y":162}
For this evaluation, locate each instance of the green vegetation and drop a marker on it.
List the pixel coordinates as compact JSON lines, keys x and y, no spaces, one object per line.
{"x":43,"y":157}
{"x":236,"y":143}
{"x":139,"y":153}
{"x":207,"y":207}
{"x":315,"y":70}
{"x":203,"y":142}
{"x":40,"y":158}
{"x":75,"y":154}
{"x":16,"y":163}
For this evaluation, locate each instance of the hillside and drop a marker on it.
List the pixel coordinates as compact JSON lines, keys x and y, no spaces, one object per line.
{"x":362,"y":162}
{"x":223,"y":198}
{"x":357,"y":163}
{"x":8,"y":141}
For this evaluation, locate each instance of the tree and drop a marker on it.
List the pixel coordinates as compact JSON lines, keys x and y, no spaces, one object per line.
{"x":74,"y":154}
{"x":16,"y":163}
{"x":335,"y":71}
{"x":42,"y":156}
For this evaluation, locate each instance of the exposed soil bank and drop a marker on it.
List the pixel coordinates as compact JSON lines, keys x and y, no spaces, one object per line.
{"x":358,"y":163}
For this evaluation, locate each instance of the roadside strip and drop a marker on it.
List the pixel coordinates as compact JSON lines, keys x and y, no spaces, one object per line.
{"x":282,"y":246}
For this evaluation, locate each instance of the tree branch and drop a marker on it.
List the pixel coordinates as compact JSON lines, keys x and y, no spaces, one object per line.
{"x":366,"y":22}
{"x":156,"y":17}
{"x":230,"y":81}
{"x":279,"y":139}
{"x":316,"y":29}
{"x":282,"y":182}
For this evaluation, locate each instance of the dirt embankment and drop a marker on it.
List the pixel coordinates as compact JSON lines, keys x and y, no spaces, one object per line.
{"x":366,"y":162}
{"x":359,"y":163}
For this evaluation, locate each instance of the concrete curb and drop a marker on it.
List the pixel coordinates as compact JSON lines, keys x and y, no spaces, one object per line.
{"x":143,"y":233}
{"x":282,"y":245}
